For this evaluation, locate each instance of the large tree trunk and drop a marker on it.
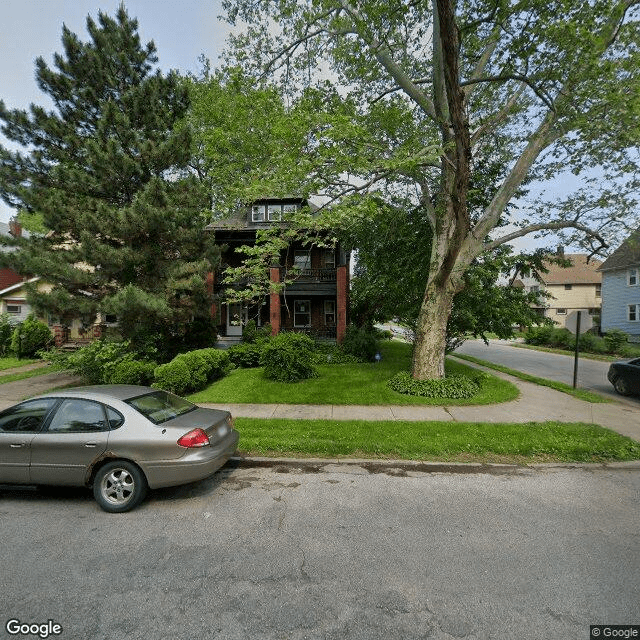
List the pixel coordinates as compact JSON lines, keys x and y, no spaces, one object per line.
{"x":431,"y":332}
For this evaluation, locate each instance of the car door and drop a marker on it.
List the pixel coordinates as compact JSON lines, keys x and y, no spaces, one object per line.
{"x":73,"y":437}
{"x":18,"y":426}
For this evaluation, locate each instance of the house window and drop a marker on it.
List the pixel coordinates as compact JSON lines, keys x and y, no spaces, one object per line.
{"x":302,"y":260}
{"x":534,"y":288}
{"x":632,"y":277}
{"x":329,"y":311}
{"x":289,"y":208}
{"x":258,"y":213}
{"x":302,"y":313}
{"x":598,"y":291}
{"x":15,"y":309}
{"x":111,"y":318}
{"x":329,"y":259}
{"x":568,"y":287}
{"x":274,"y":212}
{"x":561,"y":312}
{"x":634,"y":312}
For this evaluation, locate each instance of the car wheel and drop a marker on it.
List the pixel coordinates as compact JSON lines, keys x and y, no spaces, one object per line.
{"x":621,"y":386}
{"x":119,"y":486}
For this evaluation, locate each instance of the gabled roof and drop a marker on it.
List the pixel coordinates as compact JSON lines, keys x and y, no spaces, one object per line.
{"x":581,"y":271}
{"x":626,"y":255}
{"x":18,"y":285}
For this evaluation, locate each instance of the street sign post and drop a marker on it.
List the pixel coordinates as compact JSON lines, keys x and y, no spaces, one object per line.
{"x":574,"y":323}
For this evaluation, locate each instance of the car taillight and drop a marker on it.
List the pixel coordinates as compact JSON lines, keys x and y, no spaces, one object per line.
{"x":195,"y":438}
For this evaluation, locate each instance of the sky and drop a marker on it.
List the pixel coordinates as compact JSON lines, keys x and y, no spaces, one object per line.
{"x":181,"y":29}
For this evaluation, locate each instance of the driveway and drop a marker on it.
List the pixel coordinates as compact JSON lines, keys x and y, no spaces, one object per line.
{"x":340,"y":553}
{"x":592,"y":374}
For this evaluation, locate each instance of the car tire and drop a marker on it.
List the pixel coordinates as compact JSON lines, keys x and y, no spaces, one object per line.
{"x":621,"y":386}
{"x":119,"y":486}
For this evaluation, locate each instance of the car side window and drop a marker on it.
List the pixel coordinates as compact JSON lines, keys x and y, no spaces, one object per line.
{"x":115,"y":418}
{"x":26,"y":417}
{"x":78,"y":416}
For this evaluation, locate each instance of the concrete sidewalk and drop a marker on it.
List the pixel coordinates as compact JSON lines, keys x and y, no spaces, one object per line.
{"x":535,"y":404}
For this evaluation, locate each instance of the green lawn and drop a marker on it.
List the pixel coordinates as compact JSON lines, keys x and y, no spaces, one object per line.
{"x":347,"y":384}
{"x":446,"y":441}
{"x":13,"y":363}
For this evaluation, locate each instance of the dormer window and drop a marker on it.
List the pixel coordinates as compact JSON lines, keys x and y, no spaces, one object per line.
{"x":274,"y":212}
{"x":632,"y":277}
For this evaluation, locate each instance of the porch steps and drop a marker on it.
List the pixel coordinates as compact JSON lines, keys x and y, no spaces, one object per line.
{"x":224,"y":342}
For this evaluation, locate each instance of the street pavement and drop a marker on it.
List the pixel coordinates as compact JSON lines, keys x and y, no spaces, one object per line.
{"x":341,"y":553}
{"x":535,"y":404}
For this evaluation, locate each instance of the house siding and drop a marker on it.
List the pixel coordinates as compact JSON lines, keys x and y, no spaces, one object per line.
{"x":617,"y":295}
{"x":579,"y":297}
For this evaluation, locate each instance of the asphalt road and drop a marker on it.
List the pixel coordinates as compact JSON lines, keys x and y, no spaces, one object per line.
{"x":592,"y":374}
{"x":338,"y":554}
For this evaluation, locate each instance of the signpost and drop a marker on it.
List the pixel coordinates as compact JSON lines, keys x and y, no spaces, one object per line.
{"x":574,"y":320}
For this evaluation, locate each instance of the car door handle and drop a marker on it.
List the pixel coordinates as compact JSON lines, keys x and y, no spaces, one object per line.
{"x":91,"y":445}
{"x":16,"y":445}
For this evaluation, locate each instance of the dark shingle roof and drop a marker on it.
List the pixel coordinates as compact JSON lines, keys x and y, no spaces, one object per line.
{"x":626,"y":255}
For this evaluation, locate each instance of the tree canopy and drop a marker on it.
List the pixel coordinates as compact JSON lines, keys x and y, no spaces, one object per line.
{"x":107,"y":174}
{"x":453,"y":109}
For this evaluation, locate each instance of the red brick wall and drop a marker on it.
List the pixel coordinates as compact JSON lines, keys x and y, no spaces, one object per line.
{"x":8,"y":277}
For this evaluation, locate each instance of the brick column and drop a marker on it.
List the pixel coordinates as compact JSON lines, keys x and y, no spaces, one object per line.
{"x":274,"y":302}
{"x":59,"y":335}
{"x":341,"y":303}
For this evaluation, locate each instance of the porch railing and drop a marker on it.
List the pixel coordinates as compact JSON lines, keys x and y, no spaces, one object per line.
{"x":308,"y":275}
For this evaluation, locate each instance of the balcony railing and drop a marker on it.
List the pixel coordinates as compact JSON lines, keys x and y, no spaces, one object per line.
{"x":308,"y":275}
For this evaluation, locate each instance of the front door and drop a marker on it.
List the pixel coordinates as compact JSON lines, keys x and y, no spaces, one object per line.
{"x":237,"y":318}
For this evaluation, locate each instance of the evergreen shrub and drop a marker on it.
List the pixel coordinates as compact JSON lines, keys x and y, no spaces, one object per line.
{"x":6,"y":331}
{"x":132,"y":372}
{"x":615,"y":340}
{"x":29,"y":337}
{"x":191,"y":371}
{"x":360,"y":343}
{"x":288,"y":357}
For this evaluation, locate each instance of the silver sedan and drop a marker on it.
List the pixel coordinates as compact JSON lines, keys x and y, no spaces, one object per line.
{"x":118,"y":439}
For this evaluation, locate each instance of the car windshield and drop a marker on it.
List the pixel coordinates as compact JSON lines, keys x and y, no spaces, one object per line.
{"x":160,"y":406}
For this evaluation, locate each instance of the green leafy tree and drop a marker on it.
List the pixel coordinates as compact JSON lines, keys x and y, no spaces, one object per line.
{"x":452,"y":109}
{"x":107,"y":172}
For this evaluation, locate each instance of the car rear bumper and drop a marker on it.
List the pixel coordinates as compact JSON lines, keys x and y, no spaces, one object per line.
{"x":196,"y":464}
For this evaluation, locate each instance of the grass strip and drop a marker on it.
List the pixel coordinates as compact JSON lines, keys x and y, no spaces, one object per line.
{"x":581,"y":394}
{"x":519,"y":443}
{"x":13,"y":377}
{"x":348,"y":384}
{"x":14,"y":363}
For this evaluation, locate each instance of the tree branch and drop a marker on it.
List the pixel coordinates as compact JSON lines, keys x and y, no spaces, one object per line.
{"x":547,"y":226}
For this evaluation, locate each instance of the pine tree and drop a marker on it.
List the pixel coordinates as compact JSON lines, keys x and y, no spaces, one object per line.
{"x":107,"y":172}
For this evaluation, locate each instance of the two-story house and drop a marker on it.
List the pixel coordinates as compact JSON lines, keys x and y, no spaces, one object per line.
{"x":577,"y":287}
{"x":621,"y":288}
{"x":314,"y":289}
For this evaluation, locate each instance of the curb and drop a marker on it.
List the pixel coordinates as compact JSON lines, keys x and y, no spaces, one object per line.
{"x":402,"y":467}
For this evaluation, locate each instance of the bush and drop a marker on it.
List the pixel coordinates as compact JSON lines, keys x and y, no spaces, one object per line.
{"x":191,"y":371}
{"x":615,"y":340}
{"x":132,"y":372}
{"x":288,"y":357}
{"x":539,"y":335}
{"x":456,"y":386}
{"x":247,"y":355}
{"x":96,"y":362}
{"x":29,"y":337}
{"x":562,"y":338}
{"x":360,"y":343}
{"x":6,"y":331}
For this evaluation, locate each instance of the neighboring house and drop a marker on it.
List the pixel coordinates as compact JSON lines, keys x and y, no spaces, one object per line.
{"x":8,"y":276}
{"x":574,"y":288}
{"x":315,"y":302}
{"x":13,"y":300}
{"x":621,"y":288}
